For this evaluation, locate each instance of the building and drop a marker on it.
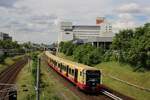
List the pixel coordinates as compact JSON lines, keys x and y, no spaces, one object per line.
{"x":100,"y":34}
{"x":5,"y":36}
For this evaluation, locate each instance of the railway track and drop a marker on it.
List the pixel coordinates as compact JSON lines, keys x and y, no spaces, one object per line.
{"x":8,"y":76}
{"x":114,"y":97}
{"x":105,"y":94}
{"x":114,"y":94}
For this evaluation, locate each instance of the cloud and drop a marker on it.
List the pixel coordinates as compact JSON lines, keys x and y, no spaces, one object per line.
{"x":124,"y":21}
{"x":129,"y":8}
{"x":37,"y":20}
{"x":7,"y":3}
{"x":27,"y":27}
{"x":133,"y":8}
{"x":131,"y":15}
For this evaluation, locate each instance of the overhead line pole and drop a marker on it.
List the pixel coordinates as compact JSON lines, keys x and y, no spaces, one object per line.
{"x":37,"y":80}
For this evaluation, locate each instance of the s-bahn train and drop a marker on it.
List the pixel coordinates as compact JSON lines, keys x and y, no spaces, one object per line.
{"x":84,"y":77}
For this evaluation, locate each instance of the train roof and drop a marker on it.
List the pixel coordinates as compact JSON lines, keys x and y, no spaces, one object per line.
{"x":68,"y":62}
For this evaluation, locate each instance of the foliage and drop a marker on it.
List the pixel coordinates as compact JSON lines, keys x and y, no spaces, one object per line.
{"x":2,"y":58}
{"x":8,"y":44}
{"x":95,"y":56}
{"x":12,"y":47}
{"x":85,"y":53}
{"x":134,"y":46}
{"x":81,"y":53}
{"x":34,"y":65}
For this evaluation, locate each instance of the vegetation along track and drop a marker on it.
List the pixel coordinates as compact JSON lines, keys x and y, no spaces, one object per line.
{"x":109,"y":94}
{"x":9,"y":75}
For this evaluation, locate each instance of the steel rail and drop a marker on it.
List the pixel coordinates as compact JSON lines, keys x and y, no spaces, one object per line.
{"x":112,"y":96}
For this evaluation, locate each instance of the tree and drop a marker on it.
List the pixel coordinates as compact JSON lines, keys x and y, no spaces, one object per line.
{"x":81,"y":53}
{"x":70,"y":49}
{"x":95,"y":56}
{"x":134,"y":46}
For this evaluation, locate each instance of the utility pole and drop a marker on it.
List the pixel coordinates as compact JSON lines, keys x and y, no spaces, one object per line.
{"x":37,"y":80}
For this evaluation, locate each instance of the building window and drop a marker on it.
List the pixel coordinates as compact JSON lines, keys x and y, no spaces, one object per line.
{"x":67,"y":33}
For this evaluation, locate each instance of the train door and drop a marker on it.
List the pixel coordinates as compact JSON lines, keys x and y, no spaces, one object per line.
{"x":67,"y":71}
{"x":76,"y":75}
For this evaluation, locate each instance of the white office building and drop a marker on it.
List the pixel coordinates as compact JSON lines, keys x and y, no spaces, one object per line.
{"x":99,"y":34}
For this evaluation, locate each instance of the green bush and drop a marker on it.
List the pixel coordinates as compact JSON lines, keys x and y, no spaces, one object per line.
{"x":133,"y":46}
{"x":94,"y":57}
{"x":81,"y":53}
{"x":86,"y":53}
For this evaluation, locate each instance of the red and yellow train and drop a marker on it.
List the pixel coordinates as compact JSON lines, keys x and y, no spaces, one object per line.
{"x":85,"y":77}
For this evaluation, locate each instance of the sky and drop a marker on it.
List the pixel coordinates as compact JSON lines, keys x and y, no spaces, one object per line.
{"x":37,"y":20}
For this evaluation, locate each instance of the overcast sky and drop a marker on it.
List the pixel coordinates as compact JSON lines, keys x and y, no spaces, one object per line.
{"x":36,"y":20}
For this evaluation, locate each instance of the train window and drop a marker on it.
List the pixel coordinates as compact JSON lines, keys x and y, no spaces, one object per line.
{"x":72,"y":71}
{"x":59,"y":65}
{"x":69,"y":70}
{"x":64,"y":68}
{"x":80,"y":73}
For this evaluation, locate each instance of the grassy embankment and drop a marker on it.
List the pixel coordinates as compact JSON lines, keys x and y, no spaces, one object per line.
{"x":25,"y":83}
{"x":26,"y":80}
{"x":126,"y":73}
{"x":9,"y":61}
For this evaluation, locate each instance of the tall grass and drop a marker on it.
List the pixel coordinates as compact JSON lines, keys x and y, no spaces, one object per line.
{"x":34,"y":65}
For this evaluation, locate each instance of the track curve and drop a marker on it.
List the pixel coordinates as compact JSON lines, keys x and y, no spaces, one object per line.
{"x":8,"y":77}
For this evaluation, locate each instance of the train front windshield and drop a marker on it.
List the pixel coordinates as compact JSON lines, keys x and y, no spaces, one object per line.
{"x":92,"y":77}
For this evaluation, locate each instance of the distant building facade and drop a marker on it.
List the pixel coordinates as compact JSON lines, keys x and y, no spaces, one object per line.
{"x":5,"y":36}
{"x":100,"y":34}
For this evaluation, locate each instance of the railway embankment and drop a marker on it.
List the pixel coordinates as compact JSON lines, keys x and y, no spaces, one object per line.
{"x":25,"y":83}
{"x":8,"y":78}
{"x":26,"y":79}
{"x":8,"y":62}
